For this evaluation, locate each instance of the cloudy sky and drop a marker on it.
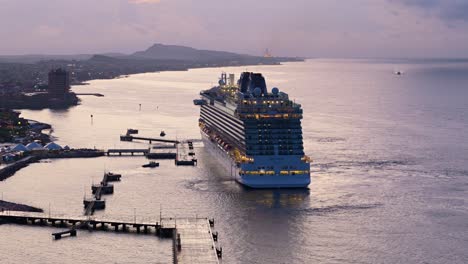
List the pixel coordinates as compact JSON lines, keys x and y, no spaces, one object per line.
{"x":324,"y":28}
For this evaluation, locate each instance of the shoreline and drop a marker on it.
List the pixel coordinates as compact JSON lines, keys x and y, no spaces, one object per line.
{"x":126,"y":75}
{"x":40,"y":102}
{"x":11,"y":169}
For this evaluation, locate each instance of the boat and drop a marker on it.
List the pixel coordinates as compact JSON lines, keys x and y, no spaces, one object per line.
{"x":131,"y":131}
{"x":162,"y":134}
{"x":255,"y":134}
{"x":152,"y":164}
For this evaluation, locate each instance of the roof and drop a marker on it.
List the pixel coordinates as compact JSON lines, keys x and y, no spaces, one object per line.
{"x":53,"y":146}
{"x":33,"y":146}
{"x":20,"y":147}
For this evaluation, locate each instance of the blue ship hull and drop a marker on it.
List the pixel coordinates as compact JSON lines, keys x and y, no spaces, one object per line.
{"x":267,"y":182}
{"x":251,"y":181}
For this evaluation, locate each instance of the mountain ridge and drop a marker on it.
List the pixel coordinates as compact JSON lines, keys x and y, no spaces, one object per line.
{"x":157,"y":51}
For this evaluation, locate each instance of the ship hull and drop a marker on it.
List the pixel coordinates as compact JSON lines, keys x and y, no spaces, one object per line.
{"x":257,"y":182}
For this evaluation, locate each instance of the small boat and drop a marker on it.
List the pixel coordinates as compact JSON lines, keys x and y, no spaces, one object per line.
{"x":131,"y":131}
{"x":152,"y":164}
{"x":162,"y":133}
{"x":398,"y":73}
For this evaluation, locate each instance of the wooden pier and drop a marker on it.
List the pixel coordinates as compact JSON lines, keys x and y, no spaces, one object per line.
{"x":131,"y":138}
{"x":131,"y":152}
{"x":108,"y":189}
{"x":161,"y":155}
{"x":103,"y":188}
{"x":194,"y":241}
{"x":110,"y":177}
{"x":185,"y":155}
{"x":91,"y":94}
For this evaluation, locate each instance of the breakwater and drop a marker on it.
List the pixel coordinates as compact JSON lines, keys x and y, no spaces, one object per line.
{"x":12,"y":168}
{"x":9,"y":206}
{"x":79,"y":153}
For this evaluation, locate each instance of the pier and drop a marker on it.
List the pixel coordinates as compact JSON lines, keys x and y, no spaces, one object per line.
{"x":194,"y":241}
{"x":161,"y":155}
{"x":185,"y":155}
{"x":90,"y":94}
{"x":103,"y":188}
{"x":131,"y":152}
{"x":131,"y":138}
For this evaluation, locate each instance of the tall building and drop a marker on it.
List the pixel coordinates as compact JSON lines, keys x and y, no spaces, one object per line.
{"x":59,"y":82}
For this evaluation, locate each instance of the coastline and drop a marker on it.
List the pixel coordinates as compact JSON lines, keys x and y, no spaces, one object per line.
{"x":277,"y":62}
{"x":39,"y":100}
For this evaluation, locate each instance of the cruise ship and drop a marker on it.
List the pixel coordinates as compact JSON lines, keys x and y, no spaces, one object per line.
{"x":255,"y":134}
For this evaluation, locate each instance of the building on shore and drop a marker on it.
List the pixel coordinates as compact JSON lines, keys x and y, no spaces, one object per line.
{"x":59,"y":83}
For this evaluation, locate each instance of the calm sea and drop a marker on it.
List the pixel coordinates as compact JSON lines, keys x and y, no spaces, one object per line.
{"x":389,"y":177}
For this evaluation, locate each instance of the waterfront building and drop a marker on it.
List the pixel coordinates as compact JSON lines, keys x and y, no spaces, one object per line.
{"x":59,"y":83}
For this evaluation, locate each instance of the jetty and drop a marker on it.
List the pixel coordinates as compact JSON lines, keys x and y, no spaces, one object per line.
{"x":130,"y":138}
{"x":194,"y":240}
{"x":12,"y":168}
{"x":103,"y":188}
{"x":91,"y":94}
{"x":131,"y":152}
{"x":185,"y":154}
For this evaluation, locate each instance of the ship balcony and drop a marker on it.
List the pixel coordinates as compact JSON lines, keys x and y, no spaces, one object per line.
{"x":268,"y":102}
{"x":265,"y":115}
{"x":269,"y":131}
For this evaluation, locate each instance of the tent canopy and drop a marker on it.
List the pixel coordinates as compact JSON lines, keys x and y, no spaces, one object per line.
{"x":20,"y":147}
{"x":53,"y":146}
{"x":34,"y":146}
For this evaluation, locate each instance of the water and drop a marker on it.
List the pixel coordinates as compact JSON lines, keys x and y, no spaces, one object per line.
{"x":389,"y":178}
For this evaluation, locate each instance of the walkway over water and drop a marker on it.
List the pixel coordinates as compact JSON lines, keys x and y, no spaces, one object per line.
{"x":131,"y":138}
{"x":196,"y":243}
{"x":132,"y":152}
{"x":193,"y":238}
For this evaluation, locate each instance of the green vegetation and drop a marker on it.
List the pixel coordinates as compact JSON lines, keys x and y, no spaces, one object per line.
{"x":11,"y":125}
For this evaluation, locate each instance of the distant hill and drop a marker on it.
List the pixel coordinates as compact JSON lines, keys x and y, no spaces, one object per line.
{"x":156,"y":52}
{"x":173,"y":52}
{"x":33,"y":58}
